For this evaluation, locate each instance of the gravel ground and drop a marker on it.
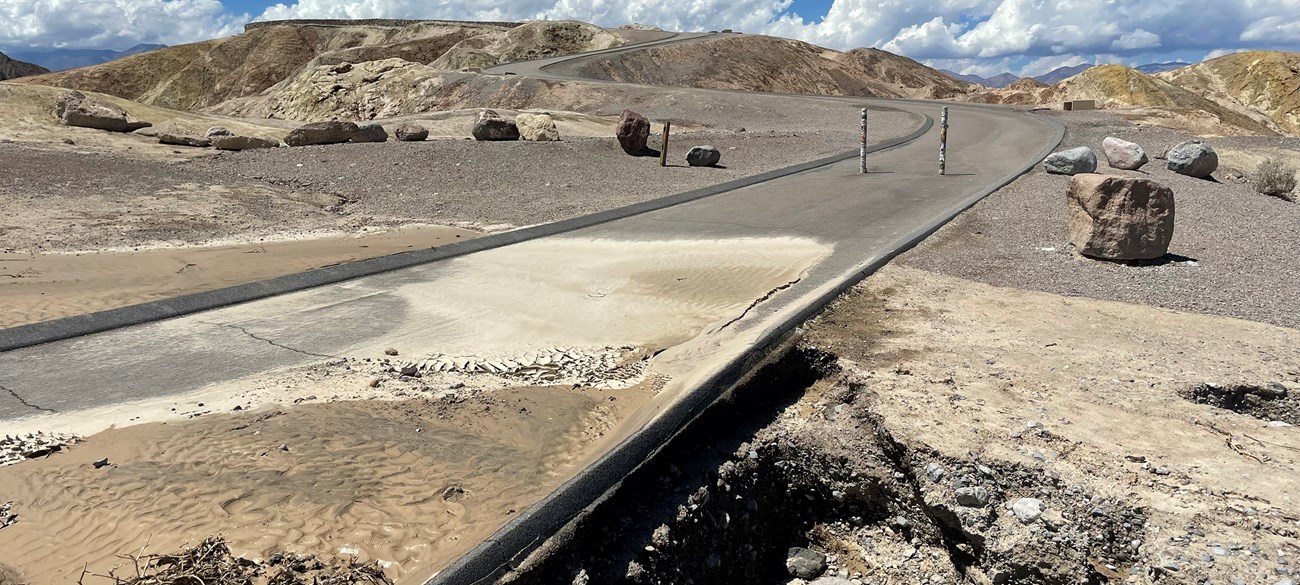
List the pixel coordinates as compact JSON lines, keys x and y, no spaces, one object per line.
{"x":62,"y":200}
{"x":520,"y":183}
{"x":1243,"y":245}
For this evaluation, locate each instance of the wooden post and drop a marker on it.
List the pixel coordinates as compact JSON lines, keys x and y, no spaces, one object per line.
{"x":943,"y":142}
{"x":862,"y":147}
{"x":663,"y":148}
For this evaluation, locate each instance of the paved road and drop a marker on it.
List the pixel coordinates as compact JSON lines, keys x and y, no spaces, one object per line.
{"x":861,"y":216}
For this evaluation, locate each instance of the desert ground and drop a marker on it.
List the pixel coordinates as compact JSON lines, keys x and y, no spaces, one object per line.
{"x":991,"y":407}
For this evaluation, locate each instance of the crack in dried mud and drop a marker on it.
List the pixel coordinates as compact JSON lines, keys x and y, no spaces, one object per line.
{"x":24,"y":402}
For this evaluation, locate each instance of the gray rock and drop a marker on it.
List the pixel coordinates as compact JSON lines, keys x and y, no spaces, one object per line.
{"x":75,"y":109}
{"x":1027,"y":510}
{"x":703,"y":156}
{"x":1122,"y":154}
{"x":934,"y":471}
{"x":1118,"y":218}
{"x":1071,"y":162}
{"x":830,"y":581}
{"x":216,"y":131}
{"x":491,"y":126}
{"x":804,"y":563}
{"x":184,"y":140}
{"x":101,"y":463}
{"x":1193,"y":158}
{"x":332,"y":132}
{"x":972,"y":497}
{"x":242,"y":143}
{"x":411,"y":133}
{"x":370,"y":132}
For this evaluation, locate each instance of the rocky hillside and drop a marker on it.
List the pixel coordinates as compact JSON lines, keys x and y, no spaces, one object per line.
{"x":206,"y":74}
{"x":760,"y":63}
{"x":908,"y":77}
{"x":1264,"y":85}
{"x":1117,"y":86}
{"x":11,"y":69}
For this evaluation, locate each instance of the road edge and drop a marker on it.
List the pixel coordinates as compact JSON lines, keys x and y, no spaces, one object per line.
{"x":574,"y":499}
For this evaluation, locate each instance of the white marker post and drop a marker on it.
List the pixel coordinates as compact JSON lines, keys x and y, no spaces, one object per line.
{"x":862,"y":148}
{"x":943,"y":142}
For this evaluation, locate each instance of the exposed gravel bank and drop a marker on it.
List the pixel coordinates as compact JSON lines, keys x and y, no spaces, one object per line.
{"x":1246,"y":262}
{"x":521,"y":183}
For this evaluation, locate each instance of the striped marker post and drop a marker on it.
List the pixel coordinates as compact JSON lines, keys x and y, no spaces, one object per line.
{"x":943,"y":142}
{"x":862,"y":148}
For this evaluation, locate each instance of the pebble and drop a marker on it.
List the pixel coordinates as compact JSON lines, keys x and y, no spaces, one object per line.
{"x":101,"y":463}
{"x":934,"y":471}
{"x":1027,"y":510}
{"x":972,"y":497}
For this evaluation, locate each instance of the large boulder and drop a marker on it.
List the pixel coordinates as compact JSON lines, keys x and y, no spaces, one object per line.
{"x":1122,"y":154}
{"x":804,"y":563}
{"x":1193,"y":158}
{"x":633,"y":131}
{"x":242,"y":142}
{"x":332,"y":132}
{"x":538,"y":127}
{"x":411,"y":133}
{"x":75,"y":109}
{"x":703,"y":156}
{"x":1071,"y":162}
{"x":179,"y":139}
{"x":491,"y":126}
{"x":1119,"y":218}
{"x":370,"y":132}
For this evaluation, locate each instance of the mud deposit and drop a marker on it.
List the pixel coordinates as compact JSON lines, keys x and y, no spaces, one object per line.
{"x":408,"y":484}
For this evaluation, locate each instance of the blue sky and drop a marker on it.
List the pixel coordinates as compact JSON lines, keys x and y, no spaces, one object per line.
{"x":984,"y":37}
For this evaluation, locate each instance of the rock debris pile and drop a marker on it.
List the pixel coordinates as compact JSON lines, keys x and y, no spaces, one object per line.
{"x":32,"y":445}
{"x":608,"y":367}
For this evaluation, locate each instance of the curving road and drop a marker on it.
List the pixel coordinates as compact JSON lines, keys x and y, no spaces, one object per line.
{"x":862,"y":220}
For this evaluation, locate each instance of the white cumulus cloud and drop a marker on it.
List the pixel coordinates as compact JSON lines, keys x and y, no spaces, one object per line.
{"x":113,"y":24}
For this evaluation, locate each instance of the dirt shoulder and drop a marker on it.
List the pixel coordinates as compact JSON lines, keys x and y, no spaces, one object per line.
{"x":1236,"y":253}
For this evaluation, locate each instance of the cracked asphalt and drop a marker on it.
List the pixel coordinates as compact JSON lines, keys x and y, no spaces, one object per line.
{"x":863,"y":217}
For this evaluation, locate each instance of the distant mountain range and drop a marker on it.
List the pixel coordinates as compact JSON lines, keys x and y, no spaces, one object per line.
{"x":61,"y":59}
{"x":1054,"y":76}
{"x":12,"y":68}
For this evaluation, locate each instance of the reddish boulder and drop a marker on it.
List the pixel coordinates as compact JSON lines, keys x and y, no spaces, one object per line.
{"x":633,"y":131}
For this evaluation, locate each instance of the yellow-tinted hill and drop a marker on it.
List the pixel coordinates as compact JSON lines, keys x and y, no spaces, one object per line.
{"x":1261,"y":84}
{"x":1141,"y":96}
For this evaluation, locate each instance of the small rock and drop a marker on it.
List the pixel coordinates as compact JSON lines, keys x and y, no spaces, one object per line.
{"x":331,"y":132}
{"x":1122,"y":154}
{"x":370,"y":132}
{"x":101,"y":463}
{"x":411,"y":133}
{"x":1071,"y":162}
{"x":972,"y":497}
{"x":804,"y":563}
{"x":632,"y":132}
{"x":242,"y":143}
{"x":284,"y":447}
{"x":703,"y":156}
{"x":1027,"y":510}
{"x":537,"y":127}
{"x":216,"y":131}
{"x":374,"y":383}
{"x":1279,"y":424}
{"x":1193,"y":158}
{"x":184,"y":140}
{"x":491,"y":126}
{"x":934,"y":471}
{"x":390,"y":351}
